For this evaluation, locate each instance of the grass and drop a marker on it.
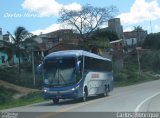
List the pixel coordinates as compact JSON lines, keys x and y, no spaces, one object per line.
{"x":28,"y":99}
{"x":24,"y":79}
{"x":143,"y":78}
{"x":5,"y":94}
{"x":130,"y":75}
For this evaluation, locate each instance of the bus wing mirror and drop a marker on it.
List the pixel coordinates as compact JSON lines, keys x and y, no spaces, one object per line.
{"x":39,"y":68}
{"x":78,"y":66}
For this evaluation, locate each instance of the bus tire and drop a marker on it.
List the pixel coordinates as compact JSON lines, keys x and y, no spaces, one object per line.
{"x":106,"y":91}
{"x":55,"y":100}
{"x":85,"y":94}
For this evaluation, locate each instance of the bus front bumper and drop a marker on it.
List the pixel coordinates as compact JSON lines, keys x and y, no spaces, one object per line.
{"x":60,"y":94}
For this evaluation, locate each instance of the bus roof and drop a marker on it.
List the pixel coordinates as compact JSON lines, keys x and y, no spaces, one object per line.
{"x":76,"y":53}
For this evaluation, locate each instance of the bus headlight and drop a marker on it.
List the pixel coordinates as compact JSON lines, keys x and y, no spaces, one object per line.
{"x":75,"y":88}
{"x":44,"y":90}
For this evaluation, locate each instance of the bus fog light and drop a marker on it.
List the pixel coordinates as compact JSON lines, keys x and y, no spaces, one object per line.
{"x":73,"y":89}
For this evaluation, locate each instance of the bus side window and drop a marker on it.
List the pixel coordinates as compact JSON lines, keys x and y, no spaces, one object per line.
{"x":108,"y":66}
{"x":90,"y":64}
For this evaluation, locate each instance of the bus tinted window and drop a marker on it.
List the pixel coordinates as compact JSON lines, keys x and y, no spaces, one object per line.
{"x":94,"y":64}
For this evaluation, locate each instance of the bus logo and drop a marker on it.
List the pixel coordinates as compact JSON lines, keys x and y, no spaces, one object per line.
{"x":95,"y":76}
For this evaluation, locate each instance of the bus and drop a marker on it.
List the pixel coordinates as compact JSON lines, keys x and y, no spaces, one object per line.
{"x":76,"y":74}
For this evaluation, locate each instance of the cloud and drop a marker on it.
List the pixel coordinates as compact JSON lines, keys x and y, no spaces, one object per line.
{"x":47,"y":7}
{"x":156,"y":28}
{"x":128,"y":29}
{"x":51,"y":28}
{"x":141,"y":11}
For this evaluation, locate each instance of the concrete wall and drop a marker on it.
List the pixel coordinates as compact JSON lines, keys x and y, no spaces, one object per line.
{"x":2,"y":54}
{"x":5,"y":57}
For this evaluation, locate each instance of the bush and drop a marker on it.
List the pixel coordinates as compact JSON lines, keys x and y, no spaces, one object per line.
{"x":151,"y":61}
{"x":25,"y":79}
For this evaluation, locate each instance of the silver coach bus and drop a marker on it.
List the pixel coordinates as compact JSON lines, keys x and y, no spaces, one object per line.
{"x":76,"y":74}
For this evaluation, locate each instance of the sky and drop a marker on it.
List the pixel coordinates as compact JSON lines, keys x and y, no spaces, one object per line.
{"x":41,"y":16}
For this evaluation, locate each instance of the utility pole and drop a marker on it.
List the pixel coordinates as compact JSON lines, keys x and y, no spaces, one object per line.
{"x":33,"y":69}
{"x":138,"y":59}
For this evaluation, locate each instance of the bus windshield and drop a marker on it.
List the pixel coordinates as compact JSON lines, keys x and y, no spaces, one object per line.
{"x":60,"y":72}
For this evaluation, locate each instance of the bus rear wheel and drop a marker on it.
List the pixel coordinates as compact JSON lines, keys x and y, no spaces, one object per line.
{"x":55,"y":100}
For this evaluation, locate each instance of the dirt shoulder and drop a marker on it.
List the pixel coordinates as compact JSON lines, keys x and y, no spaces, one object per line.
{"x":21,"y":90}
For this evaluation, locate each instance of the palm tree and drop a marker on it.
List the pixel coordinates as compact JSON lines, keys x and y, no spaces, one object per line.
{"x":20,"y":35}
{"x":138,"y":28}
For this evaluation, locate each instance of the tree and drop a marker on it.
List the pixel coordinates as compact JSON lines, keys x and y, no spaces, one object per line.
{"x":103,"y":33}
{"x":88,"y":19}
{"x":100,"y":39}
{"x":138,"y":28}
{"x":152,"y":41}
{"x":20,"y":35}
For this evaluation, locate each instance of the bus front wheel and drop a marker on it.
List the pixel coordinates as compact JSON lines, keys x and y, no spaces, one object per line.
{"x":56,"y":101}
{"x":84,"y":98}
{"x":106,"y":91}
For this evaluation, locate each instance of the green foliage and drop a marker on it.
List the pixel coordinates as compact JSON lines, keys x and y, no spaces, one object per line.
{"x":28,"y":99}
{"x":32,"y":95}
{"x":130,"y":75}
{"x":99,"y":40}
{"x":152,"y":41}
{"x":24,"y":79}
{"x":6,"y":95}
{"x":138,"y":28}
{"x":151,"y":60}
{"x":105,"y":34}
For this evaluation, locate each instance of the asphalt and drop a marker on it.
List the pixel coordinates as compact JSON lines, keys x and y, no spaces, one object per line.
{"x":143,"y":97}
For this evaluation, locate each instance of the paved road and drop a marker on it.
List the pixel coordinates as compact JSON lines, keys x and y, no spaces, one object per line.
{"x":143,"y":97}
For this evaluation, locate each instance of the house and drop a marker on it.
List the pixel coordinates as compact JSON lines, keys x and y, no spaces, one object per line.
{"x":55,"y":40}
{"x":64,"y":46}
{"x":138,"y":35}
{"x":117,"y":44}
{"x":7,"y":55}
